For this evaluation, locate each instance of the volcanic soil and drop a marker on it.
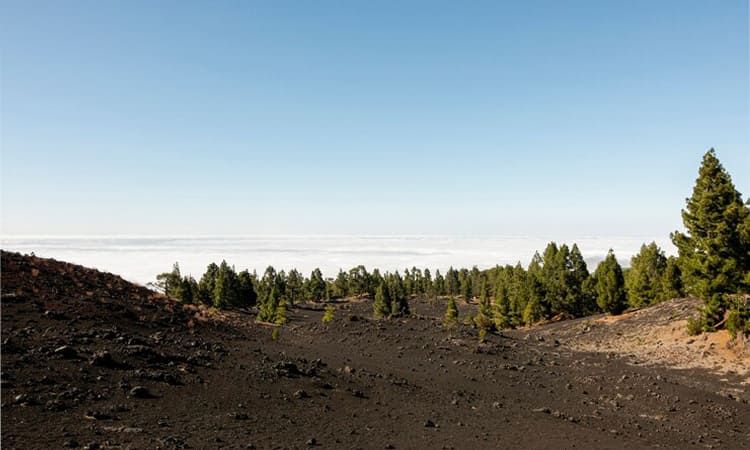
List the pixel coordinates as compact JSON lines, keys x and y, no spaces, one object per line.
{"x":92,"y":361}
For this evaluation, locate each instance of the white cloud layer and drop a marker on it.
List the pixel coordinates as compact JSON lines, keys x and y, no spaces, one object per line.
{"x":139,"y":259}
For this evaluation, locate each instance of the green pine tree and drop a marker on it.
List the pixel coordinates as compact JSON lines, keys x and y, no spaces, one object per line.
{"x":714,"y":253}
{"x":329,"y":314}
{"x":610,"y":285}
{"x":382,"y":305}
{"x":672,"y":280}
{"x":503,"y":316}
{"x":451,"y":311}
{"x":533,"y":311}
{"x":280,"y":316}
{"x":170,"y":283}
{"x":316,"y":286}
{"x":269,"y":305}
{"x":644,"y":282}
{"x":485,"y":318}
{"x":579,"y":301}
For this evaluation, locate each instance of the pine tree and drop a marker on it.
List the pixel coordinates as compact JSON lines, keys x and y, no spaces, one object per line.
{"x":517,"y":294}
{"x":671,"y":283}
{"x":382,"y":305}
{"x":375,"y":280}
{"x":452,"y":284}
{"x":170,"y":283}
{"x":579,"y":301}
{"x":329,"y":314}
{"x":188,"y":290}
{"x":533,"y":307}
{"x":645,"y":278}
{"x":225,"y":288}
{"x":246,"y":297}
{"x":503,"y":316}
{"x":439,"y":284}
{"x":295,"y":284}
{"x":533,"y":311}
{"x":485,"y":318}
{"x":714,"y":253}
{"x":269,"y":305}
{"x":451,"y":311}
{"x":397,"y":293}
{"x":466,"y":288}
{"x":316,"y":286}
{"x":280,"y":316}
{"x":341,"y":285}
{"x":427,"y":287}
{"x":358,"y":280}
{"x":610,"y":285}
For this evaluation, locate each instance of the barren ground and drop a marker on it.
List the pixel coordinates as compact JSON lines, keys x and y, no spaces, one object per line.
{"x":91,"y":361}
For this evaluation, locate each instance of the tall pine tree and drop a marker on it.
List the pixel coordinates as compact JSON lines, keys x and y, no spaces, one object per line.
{"x":713,"y":252}
{"x":610,"y":285}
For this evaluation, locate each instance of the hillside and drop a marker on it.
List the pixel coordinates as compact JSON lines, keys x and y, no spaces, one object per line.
{"x":91,"y":361}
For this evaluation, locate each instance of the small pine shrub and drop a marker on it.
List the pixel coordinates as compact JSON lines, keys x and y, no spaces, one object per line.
{"x":694,"y":326}
{"x":328,"y":316}
{"x":738,"y":320}
{"x":484,"y":323}
{"x":381,"y":307}
{"x":281,"y":317}
{"x":482,"y":334}
{"x":451,"y":311}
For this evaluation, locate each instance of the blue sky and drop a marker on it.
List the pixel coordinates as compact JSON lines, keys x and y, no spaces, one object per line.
{"x":212,"y":118}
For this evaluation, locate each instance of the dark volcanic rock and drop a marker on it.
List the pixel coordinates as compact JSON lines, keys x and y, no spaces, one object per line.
{"x":141,"y":392}
{"x":66,"y":352}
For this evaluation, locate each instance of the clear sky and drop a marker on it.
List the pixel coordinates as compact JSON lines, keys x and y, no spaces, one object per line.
{"x":392,"y":117}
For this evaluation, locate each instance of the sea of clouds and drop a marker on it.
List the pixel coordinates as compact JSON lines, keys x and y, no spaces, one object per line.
{"x":140,"y":259}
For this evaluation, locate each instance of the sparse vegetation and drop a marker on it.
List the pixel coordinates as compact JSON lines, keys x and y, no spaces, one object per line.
{"x":482,"y":334}
{"x":329,"y":314}
{"x":713,"y":264}
{"x":281,"y":317}
{"x":451,"y":312}
{"x":738,"y":315}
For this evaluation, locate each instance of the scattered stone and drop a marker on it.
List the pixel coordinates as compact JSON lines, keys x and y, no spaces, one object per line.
{"x":429,"y":424}
{"x":97,"y":415}
{"x":544,"y":410}
{"x":56,"y":406}
{"x":21,"y":399}
{"x":71,"y":443}
{"x":311,"y":442}
{"x":103,"y":359}
{"x":300,"y":394}
{"x":141,"y":392}
{"x":286,"y":369}
{"x":66,"y":352}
